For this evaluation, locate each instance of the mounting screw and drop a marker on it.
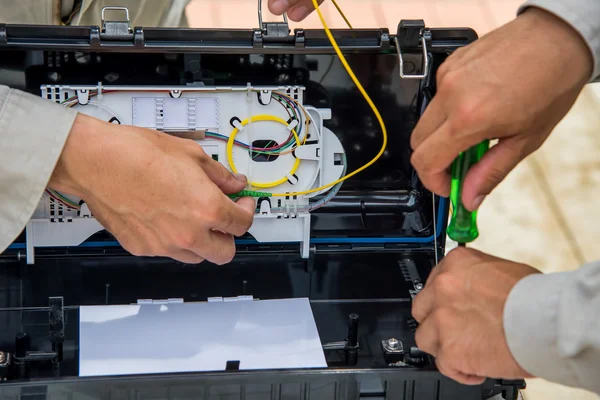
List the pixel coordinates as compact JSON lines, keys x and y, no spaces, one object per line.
{"x":419,"y":286}
{"x":393,"y":343}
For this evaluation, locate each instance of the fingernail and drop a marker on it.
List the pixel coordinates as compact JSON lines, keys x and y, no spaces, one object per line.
{"x":279,"y":6}
{"x":240,"y":177}
{"x":299,"y":13}
{"x":477,"y":202}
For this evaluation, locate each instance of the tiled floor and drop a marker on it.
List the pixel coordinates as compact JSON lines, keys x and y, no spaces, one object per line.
{"x":546,"y":205}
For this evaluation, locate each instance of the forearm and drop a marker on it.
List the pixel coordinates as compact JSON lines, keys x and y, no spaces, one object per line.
{"x":552,"y":326}
{"x":33,"y":132}
{"x":583,"y":16}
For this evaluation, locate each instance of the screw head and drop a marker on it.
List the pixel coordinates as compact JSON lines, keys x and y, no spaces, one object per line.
{"x":419,"y":286}
{"x":393,"y":343}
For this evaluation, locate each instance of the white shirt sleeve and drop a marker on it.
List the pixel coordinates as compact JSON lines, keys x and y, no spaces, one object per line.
{"x":552,"y":326}
{"x":582,"y":15}
{"x":33,"y":132}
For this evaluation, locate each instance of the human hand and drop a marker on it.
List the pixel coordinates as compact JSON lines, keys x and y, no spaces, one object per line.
{"x":515,"y":85}
{"x":296,"y":10}
{"x":460,"y":312}
{"x":158,"y":195}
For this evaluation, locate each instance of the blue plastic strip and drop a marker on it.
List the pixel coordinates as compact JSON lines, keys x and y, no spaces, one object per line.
{"x":439,"y":229}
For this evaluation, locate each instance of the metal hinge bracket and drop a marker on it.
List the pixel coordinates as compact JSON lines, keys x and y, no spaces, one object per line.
{"x":270,"y":30}
{"x":116,"y":30}
{"x":412,"y":34}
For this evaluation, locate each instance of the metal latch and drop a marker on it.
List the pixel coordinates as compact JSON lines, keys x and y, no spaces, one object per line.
{"x":272,"y":29}
{"x":116,"y":29}
{"x":412,"y":34}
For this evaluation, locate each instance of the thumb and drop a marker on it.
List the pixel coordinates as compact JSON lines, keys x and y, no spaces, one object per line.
{"x":226,"y":181}
{"x":493,"y":167}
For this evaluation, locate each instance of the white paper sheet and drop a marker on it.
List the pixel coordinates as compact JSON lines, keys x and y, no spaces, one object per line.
{"x":196,"y":337}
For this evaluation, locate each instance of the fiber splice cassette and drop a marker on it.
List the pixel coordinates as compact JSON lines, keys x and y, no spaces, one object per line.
{"x":265,"y":132}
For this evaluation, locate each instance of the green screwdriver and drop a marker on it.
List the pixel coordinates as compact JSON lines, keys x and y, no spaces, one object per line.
{"x":463,"y":225}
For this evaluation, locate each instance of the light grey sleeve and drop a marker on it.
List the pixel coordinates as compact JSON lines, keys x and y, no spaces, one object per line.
{"x":552,"y":326}
{"x":582,"y":15}
{"x":33,"y":132}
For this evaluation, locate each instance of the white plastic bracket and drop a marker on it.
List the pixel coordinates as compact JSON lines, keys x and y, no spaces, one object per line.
{"x":293,"y":125}
{"x":308,"y":152}
{"x":238,"y":125}
{"x":293,"y":179}
{"x":249,"y":92}
{"x":83,"y":96}
{"x":100,"y":90}
{"x":30,"y":250}
{"x":159,"y":302}
{"x":230,"y":299}
{"x":265,"y":207}
{"x":265,"y":97}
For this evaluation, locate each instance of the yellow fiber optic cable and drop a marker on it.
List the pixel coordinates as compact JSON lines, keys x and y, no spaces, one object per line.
{"x":231,"y":142}
{"x":367,"y":98}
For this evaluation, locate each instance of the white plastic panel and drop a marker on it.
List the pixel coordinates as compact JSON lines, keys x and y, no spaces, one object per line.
{"x":184,"y":113}
{"x":210,"y":109}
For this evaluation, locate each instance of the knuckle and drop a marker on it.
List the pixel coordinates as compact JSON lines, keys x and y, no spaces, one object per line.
{"x":197,"y":260}
{"x":466,"y":113}
{"x":184,"y":240}
{"x":442,"y":71}
{"x":209,"y":213}
{"x":445,"y":285}
{"x":226,"y":253}
{"x":135,"y":249}
{"x":156,"y":249}
{"x":457,"y":255}
{"x":416,"y":308}
{"x":242,"y":226}
{"x":195,"y":149}
{"x":418,"y":160}
{"x":221,"y":215}
{"x":449,"y":80}
{"x":441,"y":319}
{"x":419,"y":339}
{"x":494,"y":176}
{"x":187,"y":258}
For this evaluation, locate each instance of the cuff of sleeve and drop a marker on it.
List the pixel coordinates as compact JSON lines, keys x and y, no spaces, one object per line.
{"x":579,"y":16}
{"x":33,"y":132}
{"x":532,"y":306}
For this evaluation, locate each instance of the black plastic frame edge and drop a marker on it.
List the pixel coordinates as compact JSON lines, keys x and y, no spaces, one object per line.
{"x":45,"y":37}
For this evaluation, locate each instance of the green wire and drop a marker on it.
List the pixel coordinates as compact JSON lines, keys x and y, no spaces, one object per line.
{"x":64,"y":199}
{"x":249,"y":193}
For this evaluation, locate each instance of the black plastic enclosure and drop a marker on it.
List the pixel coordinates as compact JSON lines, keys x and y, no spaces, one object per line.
{"x":372,"y":246}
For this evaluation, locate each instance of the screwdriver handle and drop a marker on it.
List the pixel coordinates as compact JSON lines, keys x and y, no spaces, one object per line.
{"x":463,"y":225}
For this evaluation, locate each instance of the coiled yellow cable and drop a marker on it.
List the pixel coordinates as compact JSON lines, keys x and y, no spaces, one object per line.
{"x":231,"y":142}
{"x":367,"y":98}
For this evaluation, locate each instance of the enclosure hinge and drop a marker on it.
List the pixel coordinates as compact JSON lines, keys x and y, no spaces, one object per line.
{"x":118,"y":30}
{"x":268,"y":31}
{"x":413,"y":35}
